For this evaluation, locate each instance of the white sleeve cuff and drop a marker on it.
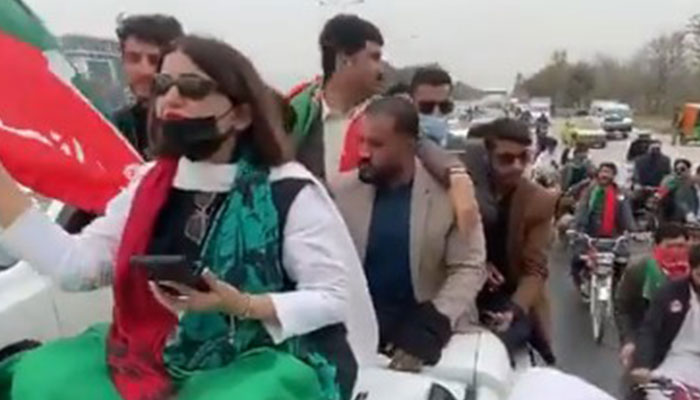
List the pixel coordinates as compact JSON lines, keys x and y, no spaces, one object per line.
{"x":301,"y":312}
{"x":33,"y":237}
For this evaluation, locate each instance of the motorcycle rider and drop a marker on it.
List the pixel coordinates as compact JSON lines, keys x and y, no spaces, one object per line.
{"x":541,"y":129}
{"x":639,"y":146}
{"x":677,"y":193}
{"x":578,"y":169}
{"x":602,"y":212}
{"x":640,"y":282}
{"x":545,"y":169}
{"x":651,"y":168}
{"x":668,"y":344}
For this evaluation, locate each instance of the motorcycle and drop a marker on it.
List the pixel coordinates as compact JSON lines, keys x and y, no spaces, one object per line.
{"x":666,"y":388}
{"x":598,"y":279}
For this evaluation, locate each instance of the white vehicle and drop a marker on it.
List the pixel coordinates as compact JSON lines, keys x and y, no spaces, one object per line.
{"x":539,"y":106}
{"x":473,"y":366}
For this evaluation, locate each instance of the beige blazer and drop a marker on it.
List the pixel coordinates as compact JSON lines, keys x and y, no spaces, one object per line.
{"x":447,"y":268}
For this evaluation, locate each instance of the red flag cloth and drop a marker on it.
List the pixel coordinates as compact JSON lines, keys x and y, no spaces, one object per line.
{"x":141,"y":324}
{"x":51,"y":139}
{"x":607,"y":227}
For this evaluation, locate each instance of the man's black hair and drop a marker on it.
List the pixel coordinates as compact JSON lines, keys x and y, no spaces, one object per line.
{"x":694,"y":256}
{"x":507,"y":129}
{"x":685,"y":161}
{"x":402,"y":110}
{"x":478,"y":131}
{"x":398,"y":89}
{"x":432,"y":76}
{"x":160,"y":30}
{"x":345,"y":34}
{"x":550,"y":142}
{"x":609,"y":165}
{"x":670,"y":230}
{"x":697,"y":170}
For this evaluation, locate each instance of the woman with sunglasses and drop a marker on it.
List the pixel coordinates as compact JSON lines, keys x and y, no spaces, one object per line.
{"x":268,"y":322}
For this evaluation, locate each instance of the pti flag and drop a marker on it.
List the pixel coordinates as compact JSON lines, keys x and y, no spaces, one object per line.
{"x":52,"y":138}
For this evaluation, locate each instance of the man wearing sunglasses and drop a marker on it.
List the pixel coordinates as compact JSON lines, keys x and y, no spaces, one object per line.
{"x":517,"y":216}
{"x":142,"y":39}
{"x":330,"y":110}
{"x":431,"y":91}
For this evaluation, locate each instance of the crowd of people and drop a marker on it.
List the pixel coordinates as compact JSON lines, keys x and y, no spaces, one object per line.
{"x":326,"y":217}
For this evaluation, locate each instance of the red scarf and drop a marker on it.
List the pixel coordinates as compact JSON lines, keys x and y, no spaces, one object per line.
{"x":673,"y":261}
{"x":607,"y":226}
{"x":350,"y":157}
{"x":141,"y":325}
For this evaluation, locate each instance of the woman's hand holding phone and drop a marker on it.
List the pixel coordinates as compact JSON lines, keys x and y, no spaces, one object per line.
{"x":221,"y":297}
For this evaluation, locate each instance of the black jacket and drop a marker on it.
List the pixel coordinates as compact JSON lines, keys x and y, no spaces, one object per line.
{"x":132,"y":122}
{"x":650,"y":170}
{"x":662,"y":323}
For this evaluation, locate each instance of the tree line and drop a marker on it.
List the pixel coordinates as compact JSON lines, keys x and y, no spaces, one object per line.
{"x":659,"y":77}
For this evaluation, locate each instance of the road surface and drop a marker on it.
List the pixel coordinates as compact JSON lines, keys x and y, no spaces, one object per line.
{"x":573,"y":340}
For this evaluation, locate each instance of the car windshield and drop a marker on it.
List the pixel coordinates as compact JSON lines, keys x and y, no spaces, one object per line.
{"x":617,"y":112}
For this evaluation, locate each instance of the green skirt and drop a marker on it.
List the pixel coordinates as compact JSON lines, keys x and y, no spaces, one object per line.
{"x":76,"y":369}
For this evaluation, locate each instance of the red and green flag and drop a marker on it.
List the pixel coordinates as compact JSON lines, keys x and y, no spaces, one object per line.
{"x":53,"y":139}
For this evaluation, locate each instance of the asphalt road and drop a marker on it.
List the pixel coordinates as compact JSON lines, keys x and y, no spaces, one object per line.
{"x":575,"y":348}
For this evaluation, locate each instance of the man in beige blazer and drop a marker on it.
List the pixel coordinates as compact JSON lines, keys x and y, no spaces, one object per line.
{"x":423,"y":273}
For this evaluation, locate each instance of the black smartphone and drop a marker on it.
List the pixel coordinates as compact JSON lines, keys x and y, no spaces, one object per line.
{"x":172,"y":268}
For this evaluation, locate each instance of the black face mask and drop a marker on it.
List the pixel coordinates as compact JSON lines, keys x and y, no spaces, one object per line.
{"x":195,"y":138}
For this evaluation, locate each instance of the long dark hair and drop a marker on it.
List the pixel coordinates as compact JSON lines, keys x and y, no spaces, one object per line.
{"x":240,"y":82}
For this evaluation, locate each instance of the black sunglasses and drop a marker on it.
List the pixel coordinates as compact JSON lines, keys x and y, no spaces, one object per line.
{"x":428,"y":107}
{"x":191,"y":86}
{"x":506,"y":159}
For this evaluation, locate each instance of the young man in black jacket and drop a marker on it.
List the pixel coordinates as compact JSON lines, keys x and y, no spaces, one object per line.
{"x":142,"y":39}
{"x":668,"y":344}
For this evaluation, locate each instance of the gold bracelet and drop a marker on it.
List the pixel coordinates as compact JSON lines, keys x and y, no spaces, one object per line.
{"x":248,"y":307}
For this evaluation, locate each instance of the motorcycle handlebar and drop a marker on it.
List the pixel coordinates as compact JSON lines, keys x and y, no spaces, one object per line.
{"x":592,"y":241}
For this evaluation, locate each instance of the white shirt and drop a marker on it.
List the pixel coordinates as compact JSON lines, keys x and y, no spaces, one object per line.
{"x":682,"y":362}
{"x":335,"y":126}
{"x":317,"y":253}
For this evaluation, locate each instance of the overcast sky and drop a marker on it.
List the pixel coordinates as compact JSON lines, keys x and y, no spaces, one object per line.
{"x":483,"y":42}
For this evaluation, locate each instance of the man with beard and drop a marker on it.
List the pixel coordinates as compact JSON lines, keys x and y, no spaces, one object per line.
{"x":329,"y":113}
{"x":423,"y":272}
{"x":142,"y":39}
{"x":668,"y":344}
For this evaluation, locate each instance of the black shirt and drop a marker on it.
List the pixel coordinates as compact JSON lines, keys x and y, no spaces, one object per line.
{"x":496,"y":236}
